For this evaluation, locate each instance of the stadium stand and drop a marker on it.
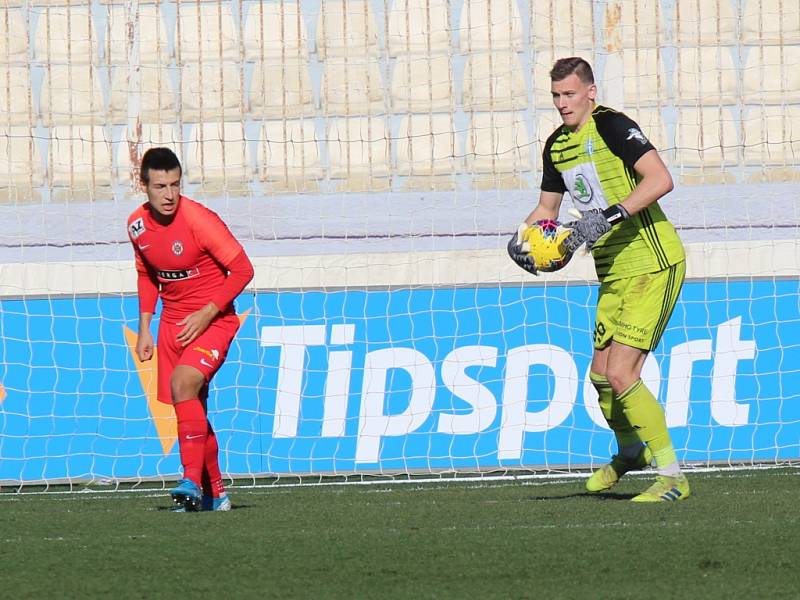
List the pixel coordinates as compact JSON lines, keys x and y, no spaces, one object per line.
{"x":428,"y":146}
{"x":346,"y":27}
{"x":288,"y":155}
{"x":423,"y":84}
{"x":273,"y":30}
{"x":419,"y":27}
{"x":494,"y":81}
{"x":79,"y":162}
{"x":705,"y":75}
{"x":150,"y":32}
{"x":72,"y":94}
{"x":20,"y":165}
{"x":281,"y":88}
{"x":704,"y":23}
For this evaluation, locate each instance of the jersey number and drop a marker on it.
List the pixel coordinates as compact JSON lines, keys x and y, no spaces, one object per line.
{"x":599,"y":332}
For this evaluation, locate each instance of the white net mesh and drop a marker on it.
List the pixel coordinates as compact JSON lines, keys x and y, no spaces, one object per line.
{"x":374,"y":156}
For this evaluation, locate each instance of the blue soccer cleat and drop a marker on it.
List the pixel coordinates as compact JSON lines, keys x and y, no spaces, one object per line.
{"x":187,"y":494}
{"x":211,"y":503}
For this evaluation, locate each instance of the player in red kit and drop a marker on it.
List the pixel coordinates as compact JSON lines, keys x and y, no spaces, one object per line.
{"x":186,"y":255}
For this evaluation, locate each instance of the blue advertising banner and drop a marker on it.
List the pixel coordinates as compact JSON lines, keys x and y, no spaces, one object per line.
{"x":399,"y":380}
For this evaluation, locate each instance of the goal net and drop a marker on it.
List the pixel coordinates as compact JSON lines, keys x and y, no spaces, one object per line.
{"x":374,"y":156}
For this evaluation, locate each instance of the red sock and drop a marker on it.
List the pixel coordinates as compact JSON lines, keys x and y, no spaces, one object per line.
{"x":192,"y":434}
{"x":212,"y":477}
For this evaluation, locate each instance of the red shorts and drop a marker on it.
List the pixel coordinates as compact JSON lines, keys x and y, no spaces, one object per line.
{"x":206,"y":353}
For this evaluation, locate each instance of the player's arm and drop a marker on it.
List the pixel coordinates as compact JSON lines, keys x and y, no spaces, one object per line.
{"x":147,"y":292}
{"x":240,"y":272}
{"x":518,"y":248}
{"x":220,"y":243}
{"x":654,"y":181}
{"x":548,"y":207}
{"x":144,"y":341}
{"x":550,"y":197}
{"x":552,"y":188}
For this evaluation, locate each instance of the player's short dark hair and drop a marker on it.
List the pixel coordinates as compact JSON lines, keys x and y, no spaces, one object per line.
{"x":564,"y":67}
{"x":158,"y":159}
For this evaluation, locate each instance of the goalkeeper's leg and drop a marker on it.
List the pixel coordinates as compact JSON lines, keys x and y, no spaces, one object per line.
{"x":644,"y":411}
{"x":632,"y":455}
{"x":632,"y":314}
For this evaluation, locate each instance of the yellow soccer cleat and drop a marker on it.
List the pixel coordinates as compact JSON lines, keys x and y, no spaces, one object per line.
{"x":608,"y":475}
{"x":665,"y":489}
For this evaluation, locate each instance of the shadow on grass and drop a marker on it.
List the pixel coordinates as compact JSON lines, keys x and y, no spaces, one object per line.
{"x":598,"y":497}
{"x":611,"y":496}
{"x":172,"y":508}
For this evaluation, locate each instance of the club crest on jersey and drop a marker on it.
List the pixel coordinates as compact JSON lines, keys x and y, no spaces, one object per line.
{"x":136,"y":228}
{"x":177,"y":248}
{"x":635,"y":134}
{"x":581,"y":190}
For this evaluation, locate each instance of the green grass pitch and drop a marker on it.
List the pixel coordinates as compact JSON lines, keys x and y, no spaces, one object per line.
{"x":737,"y":537}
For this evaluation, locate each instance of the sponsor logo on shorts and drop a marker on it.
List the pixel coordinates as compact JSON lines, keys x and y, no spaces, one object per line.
{"x":201,"y":350}
{"x":213,"y":353}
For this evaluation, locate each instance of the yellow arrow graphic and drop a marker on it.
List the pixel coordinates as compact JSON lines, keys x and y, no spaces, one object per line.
{"x":163,"y":415}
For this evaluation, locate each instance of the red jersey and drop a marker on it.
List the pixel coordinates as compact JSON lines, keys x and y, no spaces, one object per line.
{"x":187,"y":260}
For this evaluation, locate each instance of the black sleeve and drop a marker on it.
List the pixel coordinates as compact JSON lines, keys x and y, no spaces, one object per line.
{"x":552,"y":181}
{"x":622,"y":135}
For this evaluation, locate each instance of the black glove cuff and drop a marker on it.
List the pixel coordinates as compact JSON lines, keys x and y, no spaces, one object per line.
{"x":615,"y":214}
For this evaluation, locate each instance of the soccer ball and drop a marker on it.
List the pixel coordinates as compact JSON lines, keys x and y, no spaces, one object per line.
{"x":544,"y":245}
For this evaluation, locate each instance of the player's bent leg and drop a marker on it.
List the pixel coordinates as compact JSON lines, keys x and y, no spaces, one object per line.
{"x":186,"y":384}
{"x":214,"y":496}
{"x":647,"y":416}
{"x":192,"y":433}
{"x":632,"y":455}
{"x":613,"y":412}
{"x":666,"y":489}
{"x":643,"y":409}
{"x":212,"y":484}
{"x":609,"y":475}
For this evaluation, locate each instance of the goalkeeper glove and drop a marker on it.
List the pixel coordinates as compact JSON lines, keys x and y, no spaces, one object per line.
{"x":520,"y":251}
{"x":592,"y":225}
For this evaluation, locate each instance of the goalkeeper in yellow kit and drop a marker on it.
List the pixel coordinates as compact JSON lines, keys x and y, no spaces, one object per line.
{"x":615,"y":177}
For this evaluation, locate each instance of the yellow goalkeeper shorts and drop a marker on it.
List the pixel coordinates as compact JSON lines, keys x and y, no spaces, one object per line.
{"x":634,"y":311}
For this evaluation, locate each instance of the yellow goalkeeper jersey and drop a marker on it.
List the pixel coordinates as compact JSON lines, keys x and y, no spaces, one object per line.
{"x":595,"y":165}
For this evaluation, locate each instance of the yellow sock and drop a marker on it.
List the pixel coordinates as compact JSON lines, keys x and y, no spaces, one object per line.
{"x":613,"y":413}
{"x":646,"y":416}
